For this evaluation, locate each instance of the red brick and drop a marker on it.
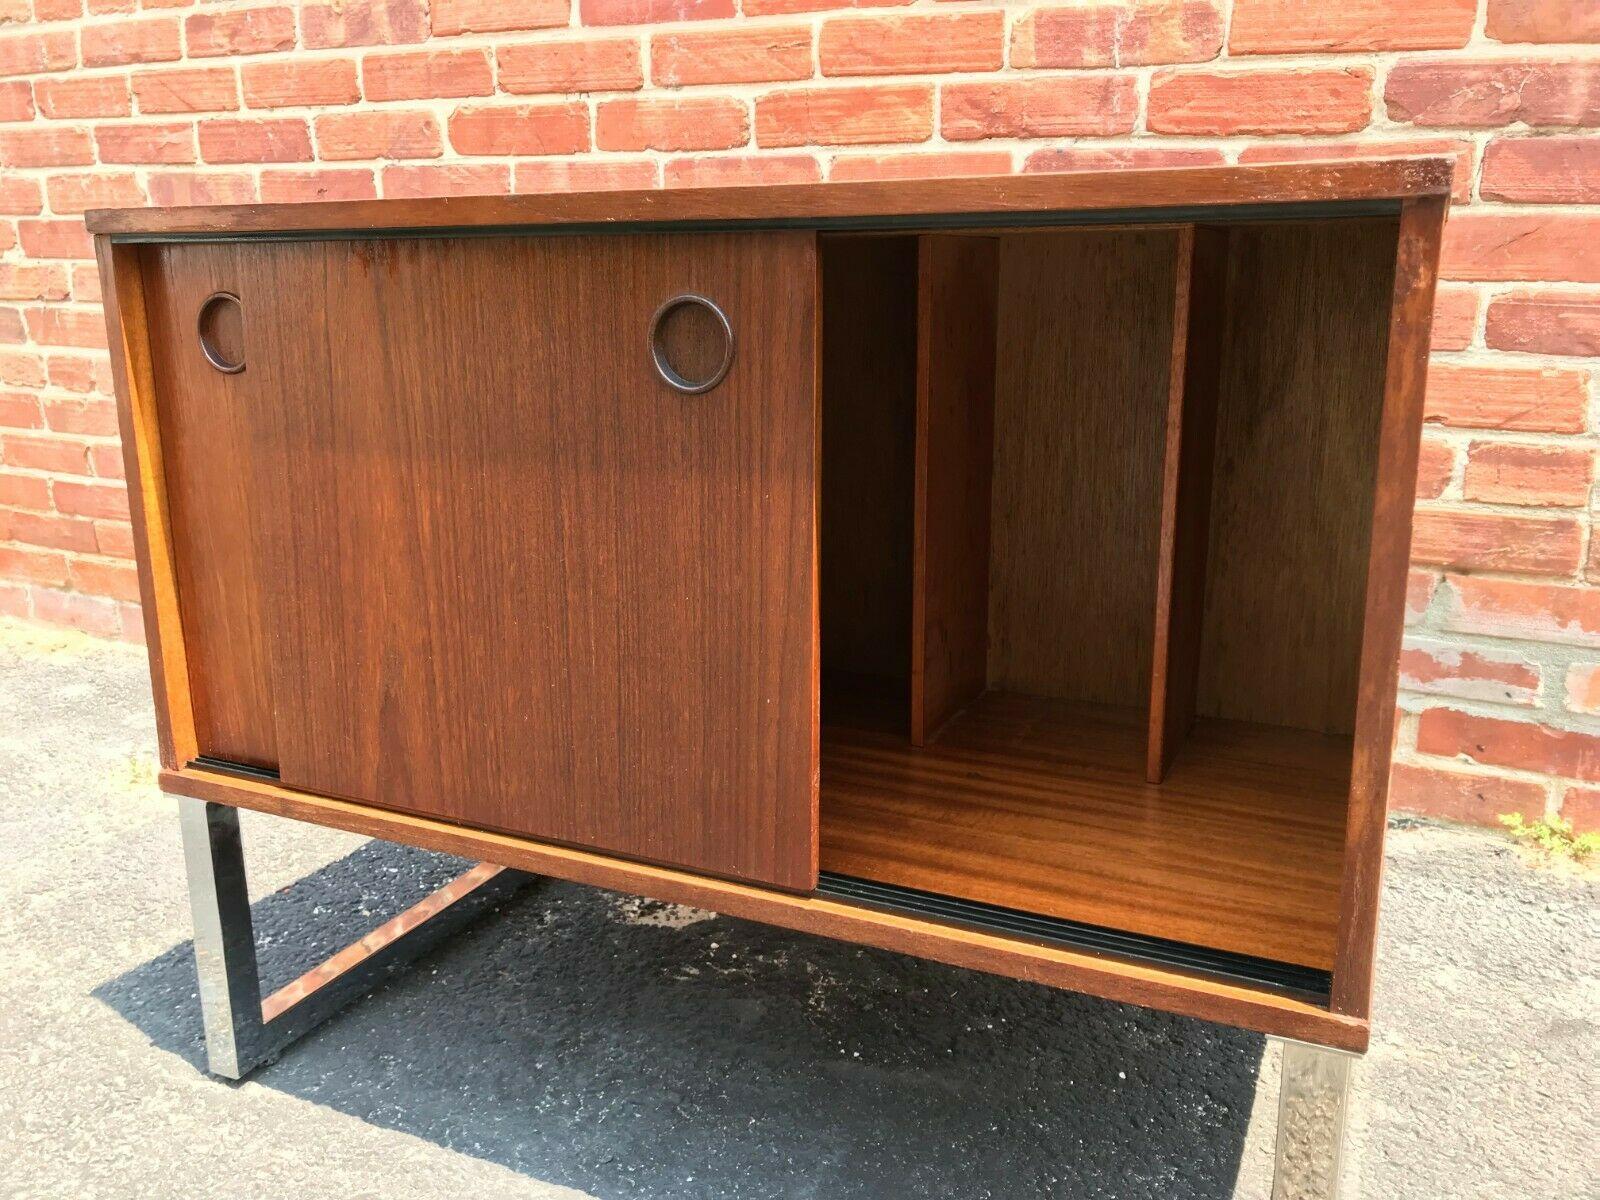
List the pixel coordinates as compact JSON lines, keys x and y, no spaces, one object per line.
{"x":19,"y":410}
{"x":148,"y":39}
{"x":1583,"y":688}
{"x":8,"y":235}
{"x":86,"y":283}
{"x":64,"y":456}
{"x":106,"y":461}
{"x":1460,"y":796}
{"x":32,"y":281}
{"x":1539,"y":612}
{"x":1511,"y":473}
{"x":912,"y":45}
{"x":378,"y":134}
{"x":1455,"y":317}
{"x":13,"y":330}
{"x":53,"y":532}
{"x":1487,"y":93}
{"x":53,"y":10}
{"x":19,"y":195}
{"x":1496,"y":742}
{"x":291,"y":187}
{"x":14,"y":601}
{"x":107,"y":500}
{"x":161,"y":143}
{"x":920,"y":166}
{"x":1116,"y":158}
{"x":1435,"y":468}
{"x":24,"y":491}
{"x":366,"y":23}
{"x":55,"y":239}
{"x":101,"y":189}
{"x":497,"y":16}
{"x":651,"y":12}
{"x":51,"y":146}
{"x":1545,"y":322}
{"x":1294,"y":26}
{"x":204,"y":89}
{"x":1543,"y":21}
{"x":96,"y":418}
{"x":32,"y":566}
{"x":56,"y":325}
{"x":521,"y":129}
{"x":1062,"y":106}
{"x":120,"y":581}
{"x":1118,"y":35}
{"x":131,"y":621}
{"x":294,"y":84}
{"x":768,"y":8}
{"x":847,"y":115}
{"x":33,"y":53}
{"x":698,"y":123}
{"x":76,"y":373}
{"x":741,"y":170}
{"x":114,"y":538}
{"x":1326,"y":101}
{"x":18,"y":369}
{"x":1580,"y":808}
{"x":176,"y":188}
{"x":89,"y":614}
{"x":578,"y":175}
{"x":1491,"y":542}
{"x":1546,"y":170}
{"x":1457,"y":148}
{"x":233,"y":140}
{"x":427,"y":75}
{"x":485,"y":179}
{"x":1476,"y":673}
{"x":1540,"y":400}
{"x":94,"y":96}
{"x":603,"y":65}
{"x":1517,"y":246}
{"x":16,"y":99}
{"x":758,"y":54}
{"x":242,"y":31}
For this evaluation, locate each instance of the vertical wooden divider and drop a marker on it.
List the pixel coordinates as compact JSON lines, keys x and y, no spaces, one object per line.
{"x":1197,"y":328}
{"x":957,"y":300}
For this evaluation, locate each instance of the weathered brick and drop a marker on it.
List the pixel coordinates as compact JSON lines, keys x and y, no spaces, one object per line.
{"x":426,"y":75}
{"x":1488,"y":93}
{"x":202,"y":89}
{"x":1115,"y":158}
{"x":1480,"y":541}
{"x":94,"y":417}
{"x":35,"y":53}
{"x":1543,"y":21}
{"x":1545,"y":322}
{"x":157,"y":143}
{"x":1062,"y":106}
{"x":1118,"y":35}
{"x":381,"y":133}
{"x":1537,"y":400}
{"x":366,"y":23}
{"x":695,"y":123}
{"x":48,"y":146}
{"x":1516,"y":473}
{"x":1544,"y":170}
{"x":292,"y":186}
{"x":286,"y":84}
{"x":1458,"y":149}
{"x":478,"y":179}
{"x":32,"y":566}
{"x":24,"y":491}
{"x":32,"y":281}
{"x":106,"y":459}
{"x":96,"y":189}
{"x":584,"y":175}
{"x":920,"y":166}
{"x":1580,"y":807}
{"x":1541,"y":612}
{"x":148,"y":39}
{"x":89,"y":499}
{"x":651,"y":12}
{"x":16,"y":100}
{"x":1583,"y":688}
{"x":1436,"y":463}
{"x":912,"y":45}
{"x":114,"y":538}
{"x":90,"y":614}
{"x":176,"y":188}
{"x":57,"y":325}
{"x":768,"y":8}
{"x":241,"y":31}
{"x":64,"y":456}
{"x":20,"y":410}
{"x":497,"y":16}
{"x":1516,"y":246}
{"x":1455,"y":317}
{"x":1471,"y":798}
{"x":740,"y":170}
{"x":79,"y":373}
{"x":759,"y":54}
{"x":21,"y":369}
{"x":845,"y":115}
{"x":93,"y":96}
{"x":1260,"y":101}
{"x":55,"y":239}
{"x":588,"y":65}
{"x":117,"y":580}
{"x":1469,"y":673}
{"x":1495,"y":741}
{"x":234,"y":140}
{"x":555,"y":128}
{"x":13,"y":329}
{"x":86,"y":283}
{"x":1294,"y":26}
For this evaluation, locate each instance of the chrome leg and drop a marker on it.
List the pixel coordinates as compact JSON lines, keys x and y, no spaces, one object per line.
{"x":1311,"y":1119}
{"x":243,"y":1030}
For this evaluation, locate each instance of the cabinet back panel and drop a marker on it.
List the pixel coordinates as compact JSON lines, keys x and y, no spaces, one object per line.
{"x":1085,"y":326}
{"x":1299,"y":403}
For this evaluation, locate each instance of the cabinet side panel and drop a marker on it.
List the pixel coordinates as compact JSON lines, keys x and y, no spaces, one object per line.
{"x":214,"y":502}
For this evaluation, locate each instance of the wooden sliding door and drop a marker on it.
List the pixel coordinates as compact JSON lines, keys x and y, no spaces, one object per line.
{"x":509,"y":575}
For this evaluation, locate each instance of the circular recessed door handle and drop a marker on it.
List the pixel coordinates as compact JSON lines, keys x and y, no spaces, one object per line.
{"x":220,"y":326}
{"x":709,"y":326}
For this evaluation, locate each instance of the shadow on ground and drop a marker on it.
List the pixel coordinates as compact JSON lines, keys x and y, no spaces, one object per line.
{"x":628,"y":1049}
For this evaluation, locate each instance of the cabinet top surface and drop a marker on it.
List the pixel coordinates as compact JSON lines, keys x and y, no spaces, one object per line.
{"x":1135,"y":195}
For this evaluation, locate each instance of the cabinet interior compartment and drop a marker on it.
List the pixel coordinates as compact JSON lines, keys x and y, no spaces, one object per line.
{"x":1095,"y":518}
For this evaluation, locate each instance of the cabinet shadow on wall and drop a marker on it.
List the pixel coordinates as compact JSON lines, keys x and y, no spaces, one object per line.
{"x":631,"y":1049}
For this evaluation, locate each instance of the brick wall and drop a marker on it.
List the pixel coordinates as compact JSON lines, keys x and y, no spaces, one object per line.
{"x":116,"y":102}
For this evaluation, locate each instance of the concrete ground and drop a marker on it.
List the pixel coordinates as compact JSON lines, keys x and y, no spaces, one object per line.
{"x":581,"y":1043}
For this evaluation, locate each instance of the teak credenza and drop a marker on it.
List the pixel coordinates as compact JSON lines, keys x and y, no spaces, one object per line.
{"x":1005,"y":571}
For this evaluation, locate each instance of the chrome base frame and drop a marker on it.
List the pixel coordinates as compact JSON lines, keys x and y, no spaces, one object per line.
{"x":243,"y":1030}
{"x":1312,"y":1102}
